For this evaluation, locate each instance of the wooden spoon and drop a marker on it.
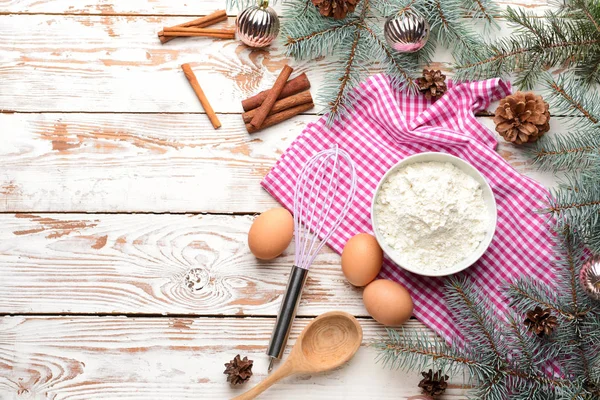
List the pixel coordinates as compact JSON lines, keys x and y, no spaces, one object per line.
{"x":327,"y":342}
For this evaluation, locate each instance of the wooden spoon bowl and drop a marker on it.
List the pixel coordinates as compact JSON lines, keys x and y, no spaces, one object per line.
{"x":327,"y":342}
{"x":330,"y":341}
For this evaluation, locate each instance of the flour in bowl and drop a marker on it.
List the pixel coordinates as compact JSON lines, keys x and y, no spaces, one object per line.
{"x":432,"y":214}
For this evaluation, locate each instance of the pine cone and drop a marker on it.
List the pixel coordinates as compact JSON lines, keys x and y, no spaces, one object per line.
{"x":433,"y":384}
{"x":522,"y":117}
{"x":432,"y":83}
{"x":238,"y":370}
{"x":338,"y":9}
{"x":540,"y":321}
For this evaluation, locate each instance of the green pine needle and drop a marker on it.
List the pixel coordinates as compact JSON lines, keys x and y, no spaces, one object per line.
{"x":575,"y":205}
{"x":537,"y":44}
{"x":359,"y":46}
{"x":501,"y":357}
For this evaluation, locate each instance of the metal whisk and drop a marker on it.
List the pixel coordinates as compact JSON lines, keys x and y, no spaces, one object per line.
{"x":319,"y":209}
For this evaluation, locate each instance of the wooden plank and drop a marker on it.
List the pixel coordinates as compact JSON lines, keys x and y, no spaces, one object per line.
{"x":117,"y":64}
{"x":150,"y":162}
{"x":173,"y":358}
{"x":53,"y":63}
{"x":150,"y":7}
{"x":109,"y":7}
{"x":123,"y":162}
{"x":137,"y":264}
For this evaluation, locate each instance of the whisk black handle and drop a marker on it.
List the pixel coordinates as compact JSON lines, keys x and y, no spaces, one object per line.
{"x":287,"y":312}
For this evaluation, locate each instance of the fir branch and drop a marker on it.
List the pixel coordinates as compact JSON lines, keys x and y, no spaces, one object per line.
{"x":537,"y":44}
{"x":528,"y":353}
{"x":587,"y":8}
{"x":405,"y":8}
{"x":397,"y":345}
{"x":526,"y":294}
{"x":494,"y":60}
{"x":589,"y":16}
{"x":445,"y":20}
{"x":500,"y":55}
{"x":474,"y":316}
{"x":590,"y":70}
{"x":591,"y":326}
{"x":575,"y":194}
{"x":411,"y":350}
{"x":595,"y":367}
{"x":324,"y":38}
{"x":529,"y":369}
{"x":525,"y":354}
{"x":494,"y":388}
{"x":291,"y":41}
{"x":357,"y":42}
{"x":399,"y":72}
{"x":508,"y":55}
{"x":568,"y":95}
{"x":583,"y":356}
{"x":573,"y":282}
{"x":539,"y":379}
{"x":530,"y":393}
{"x":441,"y":13}
{"x":345,"y":79}
{"x":561,"y":208}
{"x":528,"y":77}
{"x":570,"y":251}
{"x":567,"y":151}
{"x":481,"y":9}
{"x":570,"y":338}
{"x":399,"y":7}
{"x":577,"y":391}
{"x":575,"y":203}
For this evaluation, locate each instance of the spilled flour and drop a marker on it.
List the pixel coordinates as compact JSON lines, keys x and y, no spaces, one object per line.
{"x":432,"y":214}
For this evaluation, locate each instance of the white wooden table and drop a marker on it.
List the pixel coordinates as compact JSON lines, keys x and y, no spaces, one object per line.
{"x":113,"y":186}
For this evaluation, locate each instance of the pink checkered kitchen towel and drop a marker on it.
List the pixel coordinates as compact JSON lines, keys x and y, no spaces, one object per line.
{"x":385,"y":127}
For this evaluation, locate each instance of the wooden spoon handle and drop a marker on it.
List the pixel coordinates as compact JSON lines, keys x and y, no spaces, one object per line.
{"x":285,"y":370}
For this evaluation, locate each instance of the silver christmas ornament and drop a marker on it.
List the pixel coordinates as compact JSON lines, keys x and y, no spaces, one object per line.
{"x":257,"y":26}
{"x":589,"y":277}
{"x":406,"y":32}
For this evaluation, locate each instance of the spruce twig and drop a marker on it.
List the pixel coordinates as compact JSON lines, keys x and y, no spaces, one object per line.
{"x":567,"y":151}
{"x":345,"y":79}
{"x":575,"y":203}
{"x":528,"y":294}
{"x":399,"y":72}
{"x":474,"y":316}
{"x":359,"y":41}
{"x":481,"y":9}
{"x":537,"y":44}
{"x":528,"y":371}
{"x":290,"y":41}
{"x":568,"y":95}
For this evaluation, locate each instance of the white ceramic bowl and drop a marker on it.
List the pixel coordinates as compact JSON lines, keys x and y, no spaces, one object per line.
{"x":488,"y":197}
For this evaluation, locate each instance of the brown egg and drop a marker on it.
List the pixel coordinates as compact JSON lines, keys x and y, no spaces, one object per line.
{"x":361,"y":259}
{"x":388,"y":302}
{"x":271,"y":233}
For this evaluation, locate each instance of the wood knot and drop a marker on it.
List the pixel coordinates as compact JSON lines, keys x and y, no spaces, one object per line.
{"x":196,"y":279}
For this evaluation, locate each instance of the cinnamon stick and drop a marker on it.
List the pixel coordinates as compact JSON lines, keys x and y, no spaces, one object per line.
{"x":198,"y":30}
{"x":283,"y":104}
{"x":280,"y":117}
{"x":293,"y":86}
{"x":224,"y":34}
{"x":265,"y":107}
{"x":191,"y":77}
{"x":211,"y":19}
